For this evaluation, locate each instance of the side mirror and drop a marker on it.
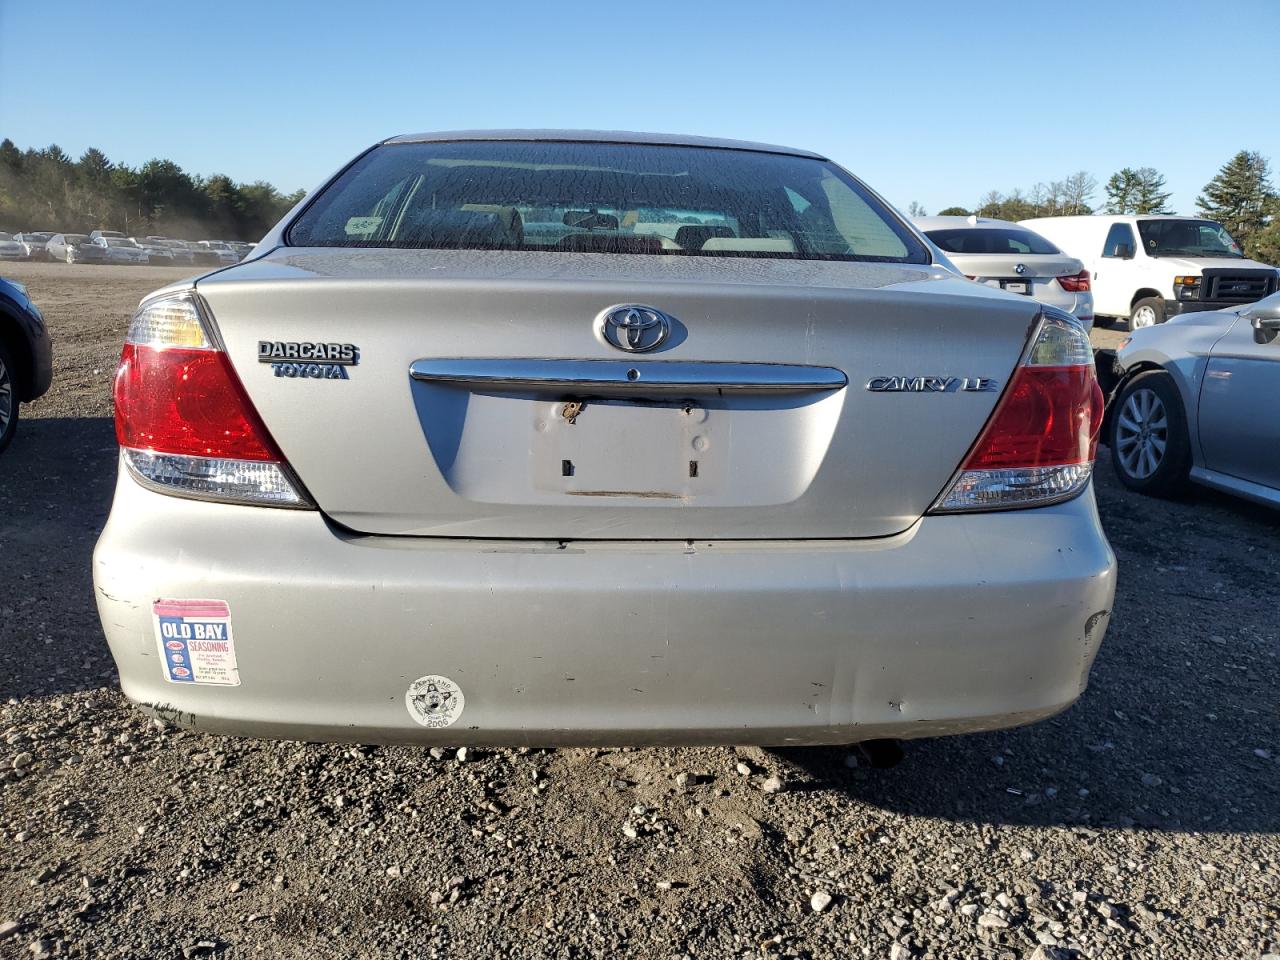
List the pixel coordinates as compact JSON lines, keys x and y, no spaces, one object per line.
{"x":1264,"y":317}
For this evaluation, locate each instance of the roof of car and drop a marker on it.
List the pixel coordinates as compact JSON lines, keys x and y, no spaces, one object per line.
{"x":971,"y":223}
{"x":602,"y":136}
{"x":1126,"y":217}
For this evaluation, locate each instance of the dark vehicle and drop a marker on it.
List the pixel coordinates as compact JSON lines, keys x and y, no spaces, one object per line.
{"x":26,"y":356}
{"x":204,"y":256}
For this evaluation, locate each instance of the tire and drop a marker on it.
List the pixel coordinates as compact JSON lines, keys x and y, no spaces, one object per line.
{"x":1150,"y":446}
{"x":8,"y":398}
{"x":1147,"y":312}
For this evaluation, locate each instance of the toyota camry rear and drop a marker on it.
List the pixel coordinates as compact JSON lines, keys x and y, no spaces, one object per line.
{"x":557,"y":438}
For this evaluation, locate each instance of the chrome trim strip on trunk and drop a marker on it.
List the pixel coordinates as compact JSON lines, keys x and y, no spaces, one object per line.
{"x":629,"y":377}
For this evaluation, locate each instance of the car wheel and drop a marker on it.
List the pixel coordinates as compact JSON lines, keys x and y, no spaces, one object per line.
{"x":1146,"y":313}
{"x":1150,"y":447}
{"x":8,"y":398}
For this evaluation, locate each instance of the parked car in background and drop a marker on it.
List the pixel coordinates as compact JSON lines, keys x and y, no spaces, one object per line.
{"x":97,"y":234}
{"x":1147,"y":269}
{"x":123,"y":250}
{"x":1198,"y":400}
{"x":241,"y":248}
{"x":33,"y":245}
{"x":204,"y":256}
{"x":75,"y":248}
{"x":159,"y":253}
{"x":1014,"y":259}
{"x":848,"y":491}
{"x":182,"y":255}
{"x":26,"y":355}
{"x":224,"y":252}
{"x":10,"y":249}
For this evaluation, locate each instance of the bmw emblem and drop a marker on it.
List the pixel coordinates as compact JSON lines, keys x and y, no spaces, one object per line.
{"x":633,"y":327}
{"x":1020,"y":269}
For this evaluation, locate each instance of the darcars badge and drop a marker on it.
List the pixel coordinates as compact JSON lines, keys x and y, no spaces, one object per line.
{"x":318,"y":361}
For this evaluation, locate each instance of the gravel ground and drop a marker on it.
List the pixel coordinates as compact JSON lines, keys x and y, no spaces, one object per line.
{"x":1142,"y":822}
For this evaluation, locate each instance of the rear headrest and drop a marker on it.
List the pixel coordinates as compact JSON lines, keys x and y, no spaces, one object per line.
{"x":608,"y":243}
{"x":693,"y":236}
{"x":587,"y":220}
{"x":497,"y":227}
{"x":750,"y":245}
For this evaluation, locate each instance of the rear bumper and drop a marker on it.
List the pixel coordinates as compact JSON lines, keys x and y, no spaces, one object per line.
{"x":962,"y":623}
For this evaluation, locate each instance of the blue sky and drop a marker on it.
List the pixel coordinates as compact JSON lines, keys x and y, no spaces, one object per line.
{"x":926,"y":101}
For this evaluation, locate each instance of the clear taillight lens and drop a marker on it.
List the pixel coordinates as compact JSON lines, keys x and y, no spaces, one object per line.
{"x":1038,"y":447}
{"x":183,"y":419}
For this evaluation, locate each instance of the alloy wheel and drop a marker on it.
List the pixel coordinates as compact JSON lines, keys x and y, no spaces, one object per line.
{"x":1144,"y":317}
{"x":1142,"y":433}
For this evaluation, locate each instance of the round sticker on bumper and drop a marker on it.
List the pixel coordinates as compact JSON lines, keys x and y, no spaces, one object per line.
{"x":434,"y":701}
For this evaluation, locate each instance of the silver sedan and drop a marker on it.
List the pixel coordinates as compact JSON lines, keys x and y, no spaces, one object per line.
{"x":1011,"y":257}
{"x":1199,"y":400}
{"x":727,"y":458}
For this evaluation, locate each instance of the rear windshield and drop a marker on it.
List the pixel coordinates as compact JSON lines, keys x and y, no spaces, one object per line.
{"x":603,"y":198}
{"x":991,"y":240}
{"x":75,"y":238}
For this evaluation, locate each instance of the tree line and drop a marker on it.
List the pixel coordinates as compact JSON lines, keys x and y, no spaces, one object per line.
{"x":1240,"y":197}
{"x":47,"y":190}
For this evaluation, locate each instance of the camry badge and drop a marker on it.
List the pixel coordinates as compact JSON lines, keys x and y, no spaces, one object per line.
{"x":931,"y":384}
{"x":633,"y":327}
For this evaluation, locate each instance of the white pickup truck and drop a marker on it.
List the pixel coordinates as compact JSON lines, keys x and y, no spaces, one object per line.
{"x":1147,"y":269}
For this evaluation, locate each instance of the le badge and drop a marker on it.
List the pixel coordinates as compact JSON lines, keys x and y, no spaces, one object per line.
{"x":319,"y":361}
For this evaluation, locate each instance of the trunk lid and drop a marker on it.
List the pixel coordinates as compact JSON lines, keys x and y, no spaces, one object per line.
{"x":1002,"y":266}
{"x":754,"y":420}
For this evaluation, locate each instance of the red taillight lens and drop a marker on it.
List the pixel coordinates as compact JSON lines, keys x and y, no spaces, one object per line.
{"x":185,"y":424}
{"x":1075,"y":282}
{"x":1049,"y":416}
{"x":1038,"y":445}
{"x":186,"y":401}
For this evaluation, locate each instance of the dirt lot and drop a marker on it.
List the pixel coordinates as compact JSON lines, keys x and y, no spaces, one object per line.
{"x":1141,"y":823}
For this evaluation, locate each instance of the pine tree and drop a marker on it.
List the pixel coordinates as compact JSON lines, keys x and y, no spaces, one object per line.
{"x":1138,"y":191}
{"x":1122,"y":190}
{"x":1151,"y":195}
{"x":1240,"y":196}
{"x":1264,"y":246}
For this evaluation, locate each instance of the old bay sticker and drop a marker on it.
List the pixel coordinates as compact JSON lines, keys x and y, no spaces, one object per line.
{"x":434,"y":701}
{"x":196,"y":646}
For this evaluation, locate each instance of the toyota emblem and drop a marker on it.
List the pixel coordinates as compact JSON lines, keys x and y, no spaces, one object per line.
{"x":634,"y":328}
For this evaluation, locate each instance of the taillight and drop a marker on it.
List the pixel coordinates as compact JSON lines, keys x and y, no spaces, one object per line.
{"x":1075,"y":282}
{"x":183,"y":419}
{"x":1038,"y":447}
